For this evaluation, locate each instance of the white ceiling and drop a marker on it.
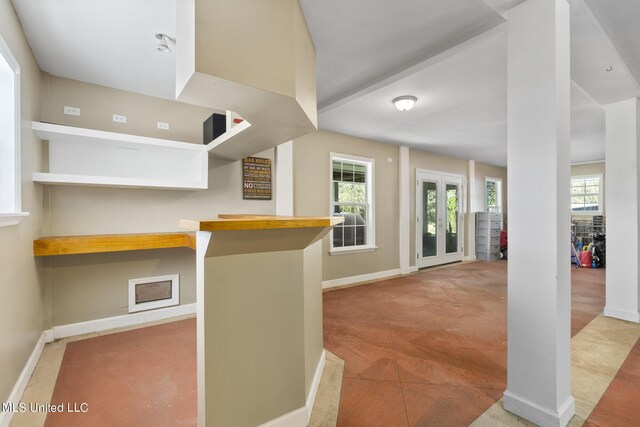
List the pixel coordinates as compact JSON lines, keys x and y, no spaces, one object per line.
{"x":107,"y":42}
{"x":591,"y":53}
{"x":461,"y":109}
{"x":450,"y":54}
{"x":462,"y":94}
{"x":461,"y":105}
{"x":502,"y":6}
{"x":587,"y":127}
{"x":620,"y":19}
{"x":360,"y":40}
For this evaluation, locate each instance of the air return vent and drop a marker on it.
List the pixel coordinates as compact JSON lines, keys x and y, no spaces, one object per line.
{"x":154,"y":292}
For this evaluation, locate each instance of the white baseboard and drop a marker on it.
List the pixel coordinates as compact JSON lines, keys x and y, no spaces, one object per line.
{"x":21,"y":384}
{"x":315,"y":384}
{"x":327,"y":284}
{"x":408,"y":270}
{"x":537,"y":414}
{"x":125,"y":320}
{"x":628,"y":315}
{"x":470,"y":258}
{"x":81,"y":328}
{"x":300,"y":417}
{"x":297,"y":418}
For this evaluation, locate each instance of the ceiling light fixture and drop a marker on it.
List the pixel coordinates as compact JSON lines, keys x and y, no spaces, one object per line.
{"x":405,"y":102}
{"x":163,"y":46}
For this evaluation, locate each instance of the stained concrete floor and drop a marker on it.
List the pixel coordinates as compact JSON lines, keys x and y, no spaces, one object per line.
{"x":429,"y":349}
{"x":84,"y":369}
{"x":597,"y":353}
{"x":467,"y":293}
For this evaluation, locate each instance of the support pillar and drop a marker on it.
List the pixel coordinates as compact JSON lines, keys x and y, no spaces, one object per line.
{"x":539,"y":291}
{"x":259,"y":296}
{"x":472,"y":209}
{"x":621,"y":153}
{"x":404,"y":236}
{"x":284,"y":179}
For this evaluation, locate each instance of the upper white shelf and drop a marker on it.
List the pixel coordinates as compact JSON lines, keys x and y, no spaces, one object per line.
{"x":90,"y":157}
{"x":53,"y":132}
{"x":227,"y":139}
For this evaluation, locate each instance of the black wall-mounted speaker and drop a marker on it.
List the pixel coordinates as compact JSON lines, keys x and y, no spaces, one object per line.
{"x":213,"y":127}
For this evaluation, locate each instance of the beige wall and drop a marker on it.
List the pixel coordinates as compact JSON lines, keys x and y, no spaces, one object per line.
{"x":98,"y":104}
{"x":95,"y":286}
{"x":22,"y":309}
{"x":305,"y":66}
{"x":433,"y":162}
{"x":313,"y":326}
{"x":311,"y":160}
{"x":256,"y":368}
{"x":592,"y":169}
{"x":259,"y":53}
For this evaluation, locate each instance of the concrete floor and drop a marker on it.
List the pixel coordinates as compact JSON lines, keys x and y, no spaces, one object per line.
{"x":428,"y":349}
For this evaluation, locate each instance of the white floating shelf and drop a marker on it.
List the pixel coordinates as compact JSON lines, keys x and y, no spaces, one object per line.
{"x":53,"y":132}
{"x":227,"y":138}
{"x":97,"y":158}
{"x":113,"y":181}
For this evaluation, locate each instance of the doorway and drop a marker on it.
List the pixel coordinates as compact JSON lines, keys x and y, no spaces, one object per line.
{"x":439,"y":225}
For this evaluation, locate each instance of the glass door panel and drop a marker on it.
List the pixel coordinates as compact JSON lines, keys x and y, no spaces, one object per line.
{"x":439,"y":226}
{"x":453,"y":201}
{"x":430,"y":219}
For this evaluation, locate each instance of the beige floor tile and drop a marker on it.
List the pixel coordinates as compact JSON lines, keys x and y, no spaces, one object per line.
{"x":41,"y":385}
{"x":497,"y":416}
{"x":325,"y":408}
{"x":597,"y":352}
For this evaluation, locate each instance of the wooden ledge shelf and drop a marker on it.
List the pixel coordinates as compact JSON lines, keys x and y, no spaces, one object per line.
{"x":259,"y":222}
{"x":68,"y":245}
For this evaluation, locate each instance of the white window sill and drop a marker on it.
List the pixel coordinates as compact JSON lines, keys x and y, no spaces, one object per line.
{"x":352,"y":250}
{"x":584,"y":213}
{"x":7,"y":219}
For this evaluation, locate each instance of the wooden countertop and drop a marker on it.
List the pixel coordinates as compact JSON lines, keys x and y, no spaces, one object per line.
{"x":259,"y":222}
{"x":68,"y":245}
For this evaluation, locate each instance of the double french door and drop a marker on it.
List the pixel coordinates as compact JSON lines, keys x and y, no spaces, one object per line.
{"x":438,"y":218}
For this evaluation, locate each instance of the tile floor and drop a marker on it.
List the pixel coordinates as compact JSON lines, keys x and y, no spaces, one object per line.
{"x":429,"y":349}
{"x":619,"y":405}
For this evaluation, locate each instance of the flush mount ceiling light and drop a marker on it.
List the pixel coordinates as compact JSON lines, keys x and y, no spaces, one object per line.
{"x":405,"y":102}
{"x":163,"y":46}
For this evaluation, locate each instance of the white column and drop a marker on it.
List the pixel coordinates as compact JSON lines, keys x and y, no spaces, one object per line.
{"x":621,"y":155}
{"x":404,"y":183}
{"x":539,"y":292}
{"x":284,"y":179}
{"x":472,"y":208}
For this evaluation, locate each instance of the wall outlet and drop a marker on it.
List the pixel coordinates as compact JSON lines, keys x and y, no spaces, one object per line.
{"x":163,"y":126}
{"x":71,"y":111}
{"x":119,"y":119}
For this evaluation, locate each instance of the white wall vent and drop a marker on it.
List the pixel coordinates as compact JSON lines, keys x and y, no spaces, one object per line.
{"x":154,"y":292}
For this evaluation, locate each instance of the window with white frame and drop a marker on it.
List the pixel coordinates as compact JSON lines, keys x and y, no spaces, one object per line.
{"x":352,"y":199}
{"x":493,"y":188}
{"x":586,"y":194}
{"x":9,"y":137}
